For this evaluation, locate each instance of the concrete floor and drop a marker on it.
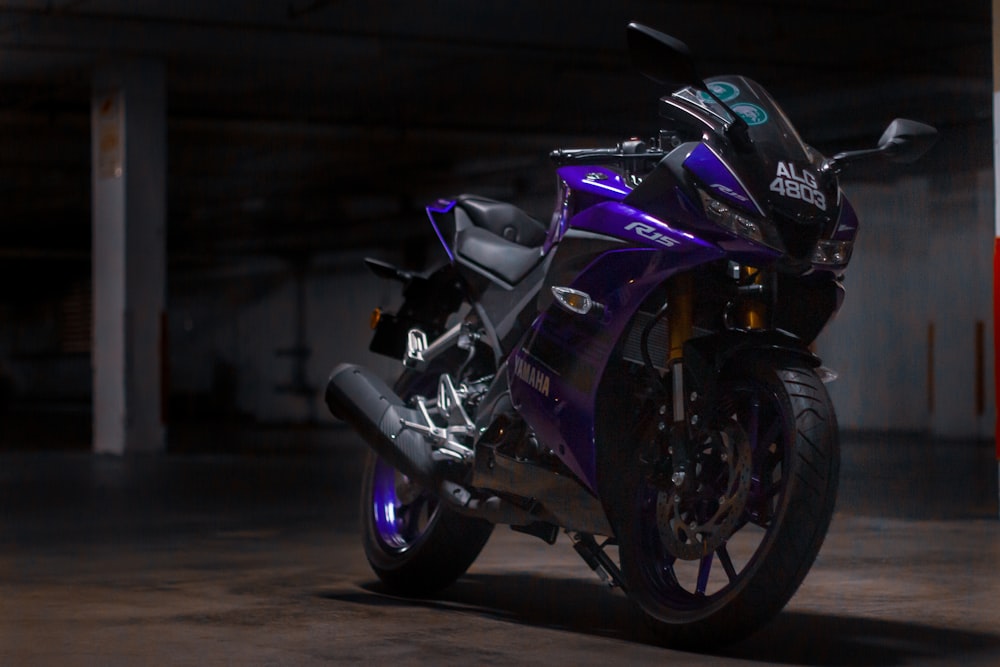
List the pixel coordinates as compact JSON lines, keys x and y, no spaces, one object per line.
{"x":243,"y":549}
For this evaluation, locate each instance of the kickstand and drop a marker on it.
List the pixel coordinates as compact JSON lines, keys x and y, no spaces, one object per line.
{"x":593,"y":554}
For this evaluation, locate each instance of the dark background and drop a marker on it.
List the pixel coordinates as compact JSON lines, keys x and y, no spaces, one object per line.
{"x":308,"y":124}
{"x":303,"y":134}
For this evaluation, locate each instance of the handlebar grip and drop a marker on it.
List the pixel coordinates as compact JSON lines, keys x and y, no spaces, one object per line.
{"x":564,"y":156}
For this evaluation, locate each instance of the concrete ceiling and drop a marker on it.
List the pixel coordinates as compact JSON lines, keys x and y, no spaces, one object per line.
{"x":299,"y":125}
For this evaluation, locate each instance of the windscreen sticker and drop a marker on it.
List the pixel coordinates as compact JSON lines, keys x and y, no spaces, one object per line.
{"x":724,"y":91}
{"x":751,"y":113}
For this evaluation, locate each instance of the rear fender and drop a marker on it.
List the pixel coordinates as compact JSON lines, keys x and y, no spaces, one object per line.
{"x":428,"y":300}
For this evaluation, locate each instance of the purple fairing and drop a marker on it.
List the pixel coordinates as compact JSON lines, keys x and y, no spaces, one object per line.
{"x":599,"y":181}
{"x":711,"y":169}
{"x":579,"y":188}
{"x":555,"y":375}
{"x":847,"y":223}
{"x":632,"y":225}
{"x":441,"y":207}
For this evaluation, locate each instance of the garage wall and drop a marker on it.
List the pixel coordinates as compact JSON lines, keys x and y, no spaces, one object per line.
{"x":259,"y":339}
{"x":913,"y":342}
{"x":256,"y":338}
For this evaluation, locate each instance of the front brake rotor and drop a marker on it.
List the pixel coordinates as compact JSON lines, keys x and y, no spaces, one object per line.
{"x":696,"y":518}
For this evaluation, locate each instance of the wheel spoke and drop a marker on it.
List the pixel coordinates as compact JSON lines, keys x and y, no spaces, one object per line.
{"x":411,"y":518}
{"x":753,"y":423}
{"x":771,"y":434}
{"x":704,"y":569}
{"x":727,"y":562}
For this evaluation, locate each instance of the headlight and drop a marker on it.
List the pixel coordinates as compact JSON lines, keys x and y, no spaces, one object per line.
{"x":833,"y":253}
{"x":741,"y":224}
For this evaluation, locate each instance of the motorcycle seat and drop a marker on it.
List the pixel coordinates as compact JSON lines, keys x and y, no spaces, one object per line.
{"x":496,"y":256}
{"x":505,"y":220}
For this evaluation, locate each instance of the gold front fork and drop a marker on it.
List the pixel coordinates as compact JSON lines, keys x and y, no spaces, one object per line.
{"x":680,"y":324}
{"x":681,"y":304}
{"x":752,"y":310}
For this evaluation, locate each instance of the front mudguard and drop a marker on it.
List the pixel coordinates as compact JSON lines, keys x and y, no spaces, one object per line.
{"x":706,"y":358}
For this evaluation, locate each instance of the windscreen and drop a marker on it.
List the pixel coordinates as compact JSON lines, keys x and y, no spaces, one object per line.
{"x":781,"y":168}
{"x":768,"y":125}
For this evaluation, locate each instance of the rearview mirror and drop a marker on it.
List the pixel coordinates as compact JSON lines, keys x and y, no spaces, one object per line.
{"x":903,"y":141}
{"x":662,"y":58}
{"x":906,"y":140}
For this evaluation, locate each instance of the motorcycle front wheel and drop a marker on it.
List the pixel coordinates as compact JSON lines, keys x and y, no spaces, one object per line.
{"x":414,"y":544}
{"x":788,"y":438}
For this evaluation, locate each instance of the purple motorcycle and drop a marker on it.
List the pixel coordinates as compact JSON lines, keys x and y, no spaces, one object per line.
{"x":636,"y":374}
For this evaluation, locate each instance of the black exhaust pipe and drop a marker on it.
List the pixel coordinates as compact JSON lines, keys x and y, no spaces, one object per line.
{"x":364,"y":401}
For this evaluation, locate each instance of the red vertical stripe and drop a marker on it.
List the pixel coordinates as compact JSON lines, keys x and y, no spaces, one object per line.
{"x":996,"y":337}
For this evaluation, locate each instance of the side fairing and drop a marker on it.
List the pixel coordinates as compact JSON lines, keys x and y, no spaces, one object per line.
{"x":631,"y":225}
{"x":581,"y":187}
{"x":711,"y":170}
{"x":442,"y":220}
{"x":555,"y":373}
{"x":847,"y":223}
{"x":595,"y":181}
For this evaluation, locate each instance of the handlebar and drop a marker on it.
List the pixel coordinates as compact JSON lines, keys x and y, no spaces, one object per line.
{"x":628,"y":151}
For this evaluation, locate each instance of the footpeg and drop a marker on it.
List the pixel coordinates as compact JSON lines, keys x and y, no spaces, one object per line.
{"x":416,"y":343}
{"x":443,"y":444}
{"x":547,"y":532}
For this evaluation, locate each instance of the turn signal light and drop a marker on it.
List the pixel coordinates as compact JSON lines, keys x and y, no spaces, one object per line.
{"x":575,"y":301}
{"x":375,"y":318}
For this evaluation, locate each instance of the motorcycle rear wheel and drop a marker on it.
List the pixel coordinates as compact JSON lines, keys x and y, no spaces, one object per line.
{"x":791,"y":426}
{"x":414,"y":543}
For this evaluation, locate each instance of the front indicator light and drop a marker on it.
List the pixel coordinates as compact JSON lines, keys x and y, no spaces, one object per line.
{"x":575,"y":301}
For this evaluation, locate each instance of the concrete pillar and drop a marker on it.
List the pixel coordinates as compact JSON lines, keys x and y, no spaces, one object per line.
{"x":128,"y":133}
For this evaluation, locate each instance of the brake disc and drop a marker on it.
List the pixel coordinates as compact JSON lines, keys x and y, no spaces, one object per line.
{"x":696,"y":518}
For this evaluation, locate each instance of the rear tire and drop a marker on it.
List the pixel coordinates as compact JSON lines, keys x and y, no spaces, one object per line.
{"x":789,"y":421}
{"x":414,"y":543}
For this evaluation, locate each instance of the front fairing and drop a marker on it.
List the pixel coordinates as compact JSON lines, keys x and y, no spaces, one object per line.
{"x":779,"y":179}
{"x":617,"y":237}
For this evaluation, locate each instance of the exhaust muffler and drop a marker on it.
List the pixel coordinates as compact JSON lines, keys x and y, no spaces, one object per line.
{"x":360,"y":398}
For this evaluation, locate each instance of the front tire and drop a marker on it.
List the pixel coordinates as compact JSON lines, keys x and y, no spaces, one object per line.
{"x":789,"y":421}
{"x":414,"y":543}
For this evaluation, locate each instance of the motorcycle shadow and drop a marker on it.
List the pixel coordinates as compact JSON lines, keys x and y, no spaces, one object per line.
{"x":793,"y":637}
{"x":825,"y":640}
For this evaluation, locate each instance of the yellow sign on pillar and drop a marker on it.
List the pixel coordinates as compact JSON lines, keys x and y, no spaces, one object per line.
{"x":109,"y":135}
